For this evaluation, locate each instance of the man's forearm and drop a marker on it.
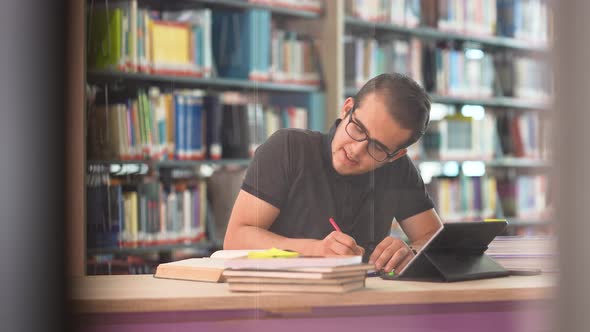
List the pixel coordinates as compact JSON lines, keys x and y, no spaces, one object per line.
{"x":252,"y":237}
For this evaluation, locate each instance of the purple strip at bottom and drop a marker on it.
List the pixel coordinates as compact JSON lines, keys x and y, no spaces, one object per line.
{"x":457,"y":317}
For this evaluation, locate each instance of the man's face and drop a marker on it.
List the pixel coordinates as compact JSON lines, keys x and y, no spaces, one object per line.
{"x":350,"y":157}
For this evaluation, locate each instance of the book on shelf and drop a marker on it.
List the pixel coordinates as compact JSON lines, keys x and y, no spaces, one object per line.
{"x":528,"y":20}
{"x":293,"y":59}
{"x":486,"y":134}
{"x":473,"y":17}
{"x":144,"y":40}
{"x":247,"y":45}
{"x":459,"y":137}
{"x":367,"y":57}
{"x":523,"y":77}
{"x":465,"y":198}
{"x":148,"y":213}
{"x":525,"y":196}
{"x":189,"y":125}
{"x":466,"y":72}
{"x":447,"y":70}
{"x":398,"y":12}
{"x":109,"y":265}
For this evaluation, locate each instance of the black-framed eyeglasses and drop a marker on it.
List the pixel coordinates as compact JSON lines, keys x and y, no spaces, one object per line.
{"x":357,"y":132}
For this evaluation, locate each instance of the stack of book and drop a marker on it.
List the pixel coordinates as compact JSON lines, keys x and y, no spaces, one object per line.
{"x":525,"y":252}
{"x":304,"y":274}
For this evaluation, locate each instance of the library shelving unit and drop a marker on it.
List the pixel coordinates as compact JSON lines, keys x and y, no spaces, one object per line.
{"x":324,"y":29}
{"x":382,"y":31}
{"x":328,"y":28}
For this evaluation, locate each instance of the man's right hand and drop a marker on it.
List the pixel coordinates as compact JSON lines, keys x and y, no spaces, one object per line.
{"x":337,"y":244}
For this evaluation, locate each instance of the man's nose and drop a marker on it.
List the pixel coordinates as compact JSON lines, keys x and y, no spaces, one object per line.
{"x":357,"y":148}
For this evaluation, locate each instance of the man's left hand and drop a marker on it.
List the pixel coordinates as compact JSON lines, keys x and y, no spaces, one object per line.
{"x":391,"y":254}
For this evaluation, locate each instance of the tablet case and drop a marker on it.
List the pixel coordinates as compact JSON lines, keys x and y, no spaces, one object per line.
{"x":456,"y":253}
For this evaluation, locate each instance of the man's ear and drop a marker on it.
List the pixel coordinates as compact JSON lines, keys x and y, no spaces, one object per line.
{"x":348,"y":105}
{"x":398,"y":155}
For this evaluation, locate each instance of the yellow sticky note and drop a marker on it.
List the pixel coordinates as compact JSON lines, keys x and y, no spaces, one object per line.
{"x":273,"y":253}
{"x":494,"y":220}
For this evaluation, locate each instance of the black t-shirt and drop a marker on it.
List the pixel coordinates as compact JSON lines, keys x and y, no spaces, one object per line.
{"x":293,"y":171}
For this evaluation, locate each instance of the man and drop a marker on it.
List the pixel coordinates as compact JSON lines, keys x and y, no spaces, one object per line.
{"x":358,"y":174}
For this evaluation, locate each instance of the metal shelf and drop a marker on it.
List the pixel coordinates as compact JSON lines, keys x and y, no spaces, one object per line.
{"x":244,"y":4}
{"x":506,"y":162}
{"x":143,"y":79}
{"x":504,"y":102}
{"x":141,"y":166}
{"x":171,"y":163}
{"x":231,"y":4}
{"x":431,"y":33}
{"x":190,"y":163}
{"x":203,"y":245}
{"x":517,"y":162}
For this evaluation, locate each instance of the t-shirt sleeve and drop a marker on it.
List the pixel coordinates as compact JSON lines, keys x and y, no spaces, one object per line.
{"x":267,"y":175}
{"x":413,"y":197}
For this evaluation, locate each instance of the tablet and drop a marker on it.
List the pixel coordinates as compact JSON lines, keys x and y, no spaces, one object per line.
{"x":456,"y":252}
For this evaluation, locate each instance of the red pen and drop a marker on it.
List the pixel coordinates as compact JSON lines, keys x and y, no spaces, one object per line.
{"x":334,"y":224}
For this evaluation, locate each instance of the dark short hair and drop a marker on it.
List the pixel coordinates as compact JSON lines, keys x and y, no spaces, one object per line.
{"x":407,"y":102}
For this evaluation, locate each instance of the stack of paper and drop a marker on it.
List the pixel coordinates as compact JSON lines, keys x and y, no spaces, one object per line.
{"x":303,"y":274}
{"x":524,"y":252}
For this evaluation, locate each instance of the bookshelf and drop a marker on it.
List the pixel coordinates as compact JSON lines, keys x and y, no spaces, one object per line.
{"x":328,"y":29}
{"x":378,"y":39}
{"x":127,"y":81}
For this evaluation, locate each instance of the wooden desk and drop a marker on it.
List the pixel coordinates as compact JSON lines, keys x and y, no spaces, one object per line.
{"x":144,"y":303}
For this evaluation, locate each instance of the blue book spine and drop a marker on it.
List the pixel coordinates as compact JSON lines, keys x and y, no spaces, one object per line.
{"x":131,"y":128}
{"x":179,"y":105}
{"x":267,"y":29}
{"x":198,"y":131}
{"x":517,"y":18}
{"x":254,"y":41}
{"x":285,"y":123}
{"x":189,"y":127}
{"x":317,"y":119}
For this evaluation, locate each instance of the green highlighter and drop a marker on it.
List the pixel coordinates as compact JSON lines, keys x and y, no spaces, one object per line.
{"x":389,"y":275}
